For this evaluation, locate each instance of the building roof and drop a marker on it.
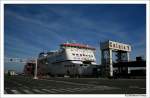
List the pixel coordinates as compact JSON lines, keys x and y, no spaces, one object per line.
{"x":77,"y":45}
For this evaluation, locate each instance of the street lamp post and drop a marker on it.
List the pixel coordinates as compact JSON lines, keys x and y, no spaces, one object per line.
{"x":35,"y":71}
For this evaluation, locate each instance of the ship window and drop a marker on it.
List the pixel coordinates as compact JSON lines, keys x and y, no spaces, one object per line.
{"x":73,"y":54}
{"x":114,"y":45}
{"x":76,"y":54}
{"x":83,"y":55}
{"x":110,"y":44}
{"x":128,"y":47}
{"x":124,"y":47}
{"x":119,"y":46}
{"x":80,"y":54}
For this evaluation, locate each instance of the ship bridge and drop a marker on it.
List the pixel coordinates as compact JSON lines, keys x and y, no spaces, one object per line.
{"x":76,"y":45}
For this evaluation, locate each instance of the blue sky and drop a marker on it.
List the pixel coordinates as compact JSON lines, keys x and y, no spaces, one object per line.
{"x":30,"y":29}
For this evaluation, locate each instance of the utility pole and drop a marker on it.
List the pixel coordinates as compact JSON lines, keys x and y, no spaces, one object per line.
{"x":35,"y":72}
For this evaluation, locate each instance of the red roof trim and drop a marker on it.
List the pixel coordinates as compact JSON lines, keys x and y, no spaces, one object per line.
{"x":78,"y":45}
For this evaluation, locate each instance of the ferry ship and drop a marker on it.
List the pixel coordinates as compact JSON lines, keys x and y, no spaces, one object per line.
{"x":72,"y":59}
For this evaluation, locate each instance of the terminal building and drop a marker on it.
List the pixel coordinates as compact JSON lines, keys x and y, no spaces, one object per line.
{"x":131,"y":69}
{"x":123,"y":66}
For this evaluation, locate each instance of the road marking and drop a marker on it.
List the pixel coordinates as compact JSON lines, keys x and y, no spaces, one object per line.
{"x":69,"y":82}
{"x":15,"y":91}
{"x":57,"y":90}
{"x":105,"y":87}
{"x":48,"y":91}
{"x":72,"y":89}
{"x":61,"y":90}
{"x":38,"y":91}
{"x":17,"y":83}
{"x":27,"y":91}
{"x":80,"y":89}
{"x":76,"y":89}
{"x":92,"y":85}
{"x":68,"y":90}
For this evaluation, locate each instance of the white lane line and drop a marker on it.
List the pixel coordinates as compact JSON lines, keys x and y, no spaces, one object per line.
{"x":136,"y":87}
{"x":66,"y":90}
{"x":60,"y":90}
{"x":48,"y":91}
{"x":57,"y":90}
{"x":88,"y":89}
{"x":37,"y":91}
{"x":73,"y":83}
{"x":104,"y":87}
{"x":19,"y":84}
{"x":66,"y":82}
{"x":15,"y":91}
{"x":94,"y":89}
{"x":74,"y":89}
{"x":27,"y":91}
{"x":5,"y":92}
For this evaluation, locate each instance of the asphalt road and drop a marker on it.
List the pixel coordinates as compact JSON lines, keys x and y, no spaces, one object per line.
{"x":27,"y":85}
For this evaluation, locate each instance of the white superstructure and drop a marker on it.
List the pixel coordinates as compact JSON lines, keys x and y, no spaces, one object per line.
{"x":70,"y":59}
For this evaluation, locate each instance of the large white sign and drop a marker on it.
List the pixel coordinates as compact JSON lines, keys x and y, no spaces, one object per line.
{"x":116,"y":46}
